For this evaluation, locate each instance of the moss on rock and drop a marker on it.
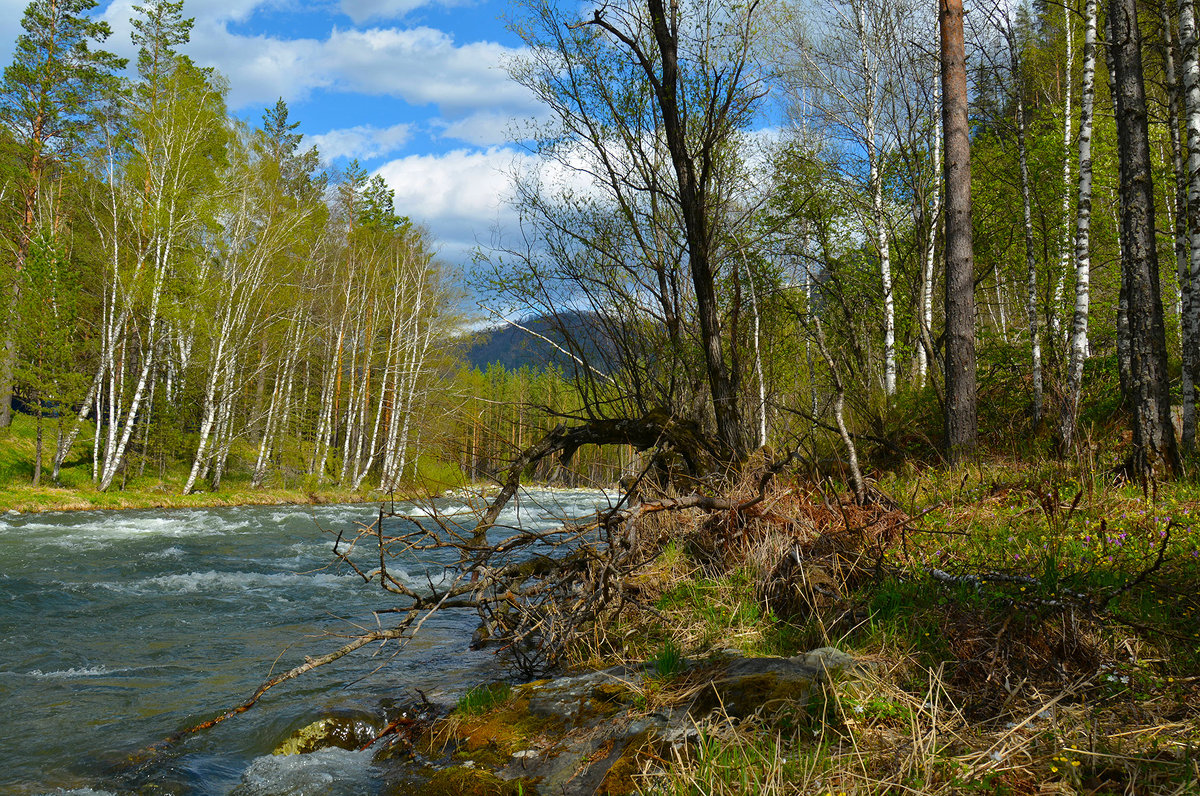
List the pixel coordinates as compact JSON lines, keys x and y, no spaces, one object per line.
{"x":464,"y":781}
{"x":330,"y":732}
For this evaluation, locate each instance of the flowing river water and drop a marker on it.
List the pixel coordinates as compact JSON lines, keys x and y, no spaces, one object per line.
{"x":118,"y":628}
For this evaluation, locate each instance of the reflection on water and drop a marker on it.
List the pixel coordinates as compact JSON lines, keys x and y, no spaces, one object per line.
{"x":118,"y":628}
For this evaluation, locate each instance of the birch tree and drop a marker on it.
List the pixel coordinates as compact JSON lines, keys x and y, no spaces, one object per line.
{"x":1079,"y":325}
{"x":849,"y":53}
{"x":1189,"y":41}
{"x":1154,"y":445}
{"x":177,"y":127}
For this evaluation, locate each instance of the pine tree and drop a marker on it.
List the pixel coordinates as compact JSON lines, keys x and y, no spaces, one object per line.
{"x":962,"y":425}
{"x":47,"y":102}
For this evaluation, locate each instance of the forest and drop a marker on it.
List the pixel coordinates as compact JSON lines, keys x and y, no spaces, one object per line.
{"x":880,"y":317}
{"x":187,"y":296}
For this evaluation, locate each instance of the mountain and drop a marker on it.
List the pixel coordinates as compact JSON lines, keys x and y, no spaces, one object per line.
{"x":514,"y":348}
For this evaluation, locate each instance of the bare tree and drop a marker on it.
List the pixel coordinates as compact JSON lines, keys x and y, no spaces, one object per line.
{"x":648,"y":102}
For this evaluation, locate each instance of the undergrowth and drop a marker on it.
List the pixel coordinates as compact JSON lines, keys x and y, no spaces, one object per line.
{"x":1033,"y":628}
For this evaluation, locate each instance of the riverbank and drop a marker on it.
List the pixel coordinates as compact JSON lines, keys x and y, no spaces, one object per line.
{"x":150,"y":484}
{"x":26,"y":498}
{"x":1032,"y":629}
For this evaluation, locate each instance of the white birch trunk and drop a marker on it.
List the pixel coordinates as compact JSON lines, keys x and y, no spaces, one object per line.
{"x":1064,"y":260}
{"x":1079,"y":326}
{"x":1035,"y":342}
{"x":931,"y":243}
{"x":874,"y":156}
{"x":1189,"y":43}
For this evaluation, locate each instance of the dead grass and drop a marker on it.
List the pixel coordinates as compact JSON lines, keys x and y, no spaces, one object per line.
{"x":1052,"y":654}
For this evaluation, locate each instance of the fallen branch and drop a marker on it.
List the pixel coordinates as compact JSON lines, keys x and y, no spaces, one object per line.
{"x":308,"y":665}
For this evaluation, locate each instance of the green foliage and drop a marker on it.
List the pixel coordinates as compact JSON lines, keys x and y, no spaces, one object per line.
{"x":50,"y":92}
{"x":483,"y":698}
{"x":669,"y":661}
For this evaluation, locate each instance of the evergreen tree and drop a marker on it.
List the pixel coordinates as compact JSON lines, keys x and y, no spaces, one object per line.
{"x":47,"y":99}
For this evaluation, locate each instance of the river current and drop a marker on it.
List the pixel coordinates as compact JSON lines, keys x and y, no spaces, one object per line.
{"x":118,"y":628}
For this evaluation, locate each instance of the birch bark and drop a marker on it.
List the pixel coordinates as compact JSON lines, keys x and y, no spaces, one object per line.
{"x":1079,"y":325}
{"x":1189,"y":42}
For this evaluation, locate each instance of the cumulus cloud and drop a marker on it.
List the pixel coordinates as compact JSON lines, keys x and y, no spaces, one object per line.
{"x":424,"y":66}
{"x":461,"y":195}
{"x":464,"y":195}
{"x":420,"y":65}
{"x":363,"y":141}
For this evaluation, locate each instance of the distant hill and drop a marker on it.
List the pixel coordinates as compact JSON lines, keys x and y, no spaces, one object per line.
{"x":515,"y":348}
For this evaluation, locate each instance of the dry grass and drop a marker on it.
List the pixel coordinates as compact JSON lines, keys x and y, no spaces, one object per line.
{"x":1069,"y":665}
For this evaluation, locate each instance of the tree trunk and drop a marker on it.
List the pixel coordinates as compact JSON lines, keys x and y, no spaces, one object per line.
{"x":1187,"y":332}
{"x":1079,"y":326}
{"x":695,"y":204}
{"x":1031,"y":304}
{"x":930,"y":251}
{"x":1064,"y":258}
{"x":1153,"y":435}
{"x":1189,"y":42}
{"x":875,"y":178}
{"x":961,"y":417}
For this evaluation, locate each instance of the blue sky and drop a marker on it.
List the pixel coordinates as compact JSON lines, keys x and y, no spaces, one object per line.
{"x":415,"y":89}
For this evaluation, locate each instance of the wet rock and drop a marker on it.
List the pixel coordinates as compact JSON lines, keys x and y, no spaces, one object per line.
{"x":333,"y":732}
{"x":591,"y":733}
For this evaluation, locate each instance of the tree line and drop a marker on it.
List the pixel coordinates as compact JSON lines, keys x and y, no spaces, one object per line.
{"x":753,"y":274}
{"x":777,"y":216}
{"x":179,"y":285}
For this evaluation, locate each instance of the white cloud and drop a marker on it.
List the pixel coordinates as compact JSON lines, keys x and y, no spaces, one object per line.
{"x":460,"y":195}
{"x":463,"y":196}
{"x":483,"y":128}
{"x":363,"y":141}
{"x":363,"y":10}
{"x":421,"y":65}
{"x":424,"y":66}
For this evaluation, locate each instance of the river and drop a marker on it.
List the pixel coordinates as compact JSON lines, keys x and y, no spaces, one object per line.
{"x":118,"y":628}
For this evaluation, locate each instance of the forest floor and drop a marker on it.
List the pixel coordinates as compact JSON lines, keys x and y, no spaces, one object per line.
{"x":1033,"y":628}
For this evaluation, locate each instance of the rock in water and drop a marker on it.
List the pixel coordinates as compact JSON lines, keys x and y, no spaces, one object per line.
{"x":332,"y":732}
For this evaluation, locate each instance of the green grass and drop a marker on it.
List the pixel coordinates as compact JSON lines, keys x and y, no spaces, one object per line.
{"x":1072,"y":594}
{"x":144,"y":485}
{"x":670,"y":660}
{"x":483,"y":698}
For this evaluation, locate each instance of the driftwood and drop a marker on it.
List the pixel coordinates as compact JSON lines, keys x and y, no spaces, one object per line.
{"x":534,"y":590}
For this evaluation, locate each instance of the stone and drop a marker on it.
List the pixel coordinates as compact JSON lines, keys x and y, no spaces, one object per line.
{"x":341,"y":732}
{"x":590,"y":733}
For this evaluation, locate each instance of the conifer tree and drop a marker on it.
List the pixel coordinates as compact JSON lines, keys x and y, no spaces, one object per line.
{"x":47,"y":99}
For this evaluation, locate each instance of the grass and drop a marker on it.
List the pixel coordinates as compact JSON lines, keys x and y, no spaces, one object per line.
{"x":483,"y":698}
{"x":147,"y":485}
{"x":1034,"y":628}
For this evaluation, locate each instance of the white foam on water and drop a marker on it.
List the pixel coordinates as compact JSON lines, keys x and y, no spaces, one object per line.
{"x":328,"y":771}
{"x":451,"y":510}
{"x":170,"y":552}
{"x":198,"y":582}
{"x":79,"y":792}
{"x":85,"y":671}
